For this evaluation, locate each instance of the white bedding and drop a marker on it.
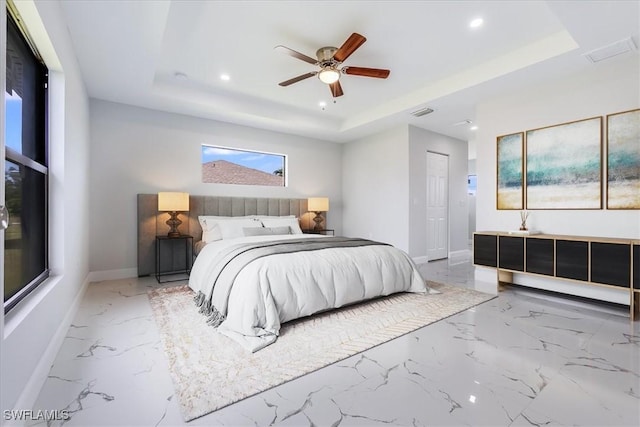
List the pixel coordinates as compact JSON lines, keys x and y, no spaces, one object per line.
{"x":277,"y":288}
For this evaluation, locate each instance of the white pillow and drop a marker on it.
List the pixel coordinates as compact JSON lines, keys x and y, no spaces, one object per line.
{"x":210,"y":230}
{"x":283,"y":222}
{"x":211,"y":236}
{"x":272,"y":216}
{"x":266,"y":231}
{"x":233,"y":228}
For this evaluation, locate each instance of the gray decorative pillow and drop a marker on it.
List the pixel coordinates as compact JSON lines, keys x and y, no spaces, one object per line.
{"x":266,"y":231}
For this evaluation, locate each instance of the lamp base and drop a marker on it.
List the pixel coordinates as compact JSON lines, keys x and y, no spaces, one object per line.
{"x":318,"y":220}
{"x":174,"y":223}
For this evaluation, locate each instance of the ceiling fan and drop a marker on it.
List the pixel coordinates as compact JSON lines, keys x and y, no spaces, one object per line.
{"x":330,"y":60}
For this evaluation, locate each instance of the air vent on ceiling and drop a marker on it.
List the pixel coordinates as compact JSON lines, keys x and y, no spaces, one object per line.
{"x":422,"y":112}
{"x":609,"y":51}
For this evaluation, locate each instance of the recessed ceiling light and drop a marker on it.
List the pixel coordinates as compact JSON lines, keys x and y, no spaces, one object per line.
{"x":322,"y":104}
{"x":476,"y":23}
{"x":474,"y":128}
{"x":225,"y":77}
{"x":180,"y":75}
{"x":422,"y":112}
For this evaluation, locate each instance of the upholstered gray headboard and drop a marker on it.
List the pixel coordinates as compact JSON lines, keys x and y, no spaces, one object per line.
{"x":152,"y":223}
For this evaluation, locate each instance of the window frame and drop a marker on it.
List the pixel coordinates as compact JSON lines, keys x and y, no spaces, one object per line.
{"x":42,"y":145}
{"x":285,"y":164}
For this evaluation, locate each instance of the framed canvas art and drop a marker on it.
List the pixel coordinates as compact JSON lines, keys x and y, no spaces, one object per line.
{"x":623,"y":160}
{"x":564,"y":166}
{"x":510,"y":149}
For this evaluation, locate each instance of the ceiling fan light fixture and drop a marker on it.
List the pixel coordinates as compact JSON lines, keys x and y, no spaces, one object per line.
{"x":329,"y":75}
{"x":330,"y":60}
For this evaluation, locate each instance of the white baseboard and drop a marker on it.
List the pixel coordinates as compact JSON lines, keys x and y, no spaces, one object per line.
{"x":125,"y":273}
{"x":603,"y":293}
{"x":420,"y":259}
{"x":460,"y":254}
{"x":35,"y":383}
{"x":465,"y":253}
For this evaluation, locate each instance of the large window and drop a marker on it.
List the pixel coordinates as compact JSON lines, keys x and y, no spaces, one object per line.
{"x":25,"y":240}
{"x":225,"y":165}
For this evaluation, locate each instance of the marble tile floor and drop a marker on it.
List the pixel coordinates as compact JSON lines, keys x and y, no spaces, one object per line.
{"x":522,"y":359}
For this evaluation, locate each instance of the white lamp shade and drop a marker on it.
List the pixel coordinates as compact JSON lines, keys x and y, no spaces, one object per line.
{"x":173,"y":202}
{"x":318,"y":204}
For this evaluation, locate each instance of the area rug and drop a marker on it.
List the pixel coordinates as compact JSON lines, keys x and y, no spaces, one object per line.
{"x":210,"y":371}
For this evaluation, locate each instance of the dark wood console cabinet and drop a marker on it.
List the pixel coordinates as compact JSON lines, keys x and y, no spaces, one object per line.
{"x":572,"y":259}
{"x":511,"y":250}
{"x":485,"y":250}
{"x":611,"y":264}
{"x":597,"y":261}
{"x":540,"y":256}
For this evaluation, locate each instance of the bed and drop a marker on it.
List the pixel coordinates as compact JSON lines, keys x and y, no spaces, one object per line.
{"x":255,"y":272}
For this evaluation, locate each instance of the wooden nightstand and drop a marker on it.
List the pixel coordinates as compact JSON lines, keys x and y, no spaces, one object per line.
{"x":174,"y":258}
{"x":324,"y":231}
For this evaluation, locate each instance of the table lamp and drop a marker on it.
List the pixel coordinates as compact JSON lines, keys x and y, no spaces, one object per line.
{"x":173,"y":203}
{"x":318,"y":205}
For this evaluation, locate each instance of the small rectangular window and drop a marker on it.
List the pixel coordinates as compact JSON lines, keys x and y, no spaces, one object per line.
{"x":472,"y":184}
{"x":223,"y":165}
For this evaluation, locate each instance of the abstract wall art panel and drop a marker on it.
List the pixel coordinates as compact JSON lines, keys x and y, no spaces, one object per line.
{"x":623,"y":160}
{"x":564,"y":166}
{"x":510,"y":150}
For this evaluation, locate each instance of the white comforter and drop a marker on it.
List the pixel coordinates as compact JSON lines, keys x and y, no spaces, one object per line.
{"x":277,"y":288}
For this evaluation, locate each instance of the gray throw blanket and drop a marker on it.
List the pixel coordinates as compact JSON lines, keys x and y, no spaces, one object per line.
{"x":230,"y":262}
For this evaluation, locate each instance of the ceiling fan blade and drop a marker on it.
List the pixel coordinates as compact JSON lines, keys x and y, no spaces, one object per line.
{"x":354,"y":41}
{"x":367,"y":72}
{"x":295,"y":54}
{"x":297,"y":79}
{"x":336,"y":89}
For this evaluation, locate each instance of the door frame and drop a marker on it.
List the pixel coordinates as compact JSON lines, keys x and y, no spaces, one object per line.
{"x":448,"y":204}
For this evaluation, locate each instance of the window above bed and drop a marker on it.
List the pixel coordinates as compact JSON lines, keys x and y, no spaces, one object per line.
{"x":224,"y":165}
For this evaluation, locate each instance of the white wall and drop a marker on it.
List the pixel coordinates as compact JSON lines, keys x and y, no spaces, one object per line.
{"x":376,"y":187}
{"x":421,"y":141}
{"x":608,"y":87}
{"x":385,"y":188}
{"x":34,"y":330}
{"x":136,"y":150}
